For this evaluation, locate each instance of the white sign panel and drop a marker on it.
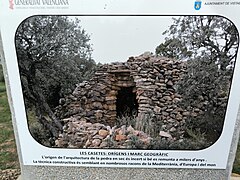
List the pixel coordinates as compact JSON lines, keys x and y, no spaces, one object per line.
{"x":138,"y":84}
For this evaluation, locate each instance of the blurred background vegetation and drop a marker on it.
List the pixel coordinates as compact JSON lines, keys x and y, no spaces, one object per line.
{"x":8,"y":152}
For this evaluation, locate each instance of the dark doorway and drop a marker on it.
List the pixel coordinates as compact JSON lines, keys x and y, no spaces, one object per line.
{"x":126,"y":102}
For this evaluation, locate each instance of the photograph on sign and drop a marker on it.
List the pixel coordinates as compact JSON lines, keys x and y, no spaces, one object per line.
{"x":100,"y":82}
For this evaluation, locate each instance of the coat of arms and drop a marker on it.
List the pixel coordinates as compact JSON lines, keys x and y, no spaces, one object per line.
{"x":197,"y":4}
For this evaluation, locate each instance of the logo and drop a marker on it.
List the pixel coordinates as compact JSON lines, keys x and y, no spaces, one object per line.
{"x":11,"y":4}
{"x":197,"y":4}
{"x":38,"y":4}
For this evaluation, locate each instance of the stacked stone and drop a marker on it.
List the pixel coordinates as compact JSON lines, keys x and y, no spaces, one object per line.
{"x":153,"y":78}
{"x":96,"y":100}
{"x":82,"y":134}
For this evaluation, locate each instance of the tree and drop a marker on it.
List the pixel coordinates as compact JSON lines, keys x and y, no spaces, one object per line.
{"x":197,"y":36}
{"x":53,"y":54}
{"x":208,"y":45}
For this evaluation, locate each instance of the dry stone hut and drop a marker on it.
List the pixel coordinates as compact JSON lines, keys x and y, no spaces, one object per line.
{"x":143,"y":87}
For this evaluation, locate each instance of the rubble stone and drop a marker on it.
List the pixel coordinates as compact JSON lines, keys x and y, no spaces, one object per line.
{"x":152,"y":80}
{"x":84,"y":136}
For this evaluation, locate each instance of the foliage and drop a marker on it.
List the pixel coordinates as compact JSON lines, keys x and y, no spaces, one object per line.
{"x":126,"y":119}
{"x":53,"y":54}
{"x":2,"y":88}
{"x":197,"y":36}
{"x":195,"y":141}
{"x":173,"y":48}
{"x":205,"y":87}
{"x":37,"y":130}
{"x":4,"y":108}
{"x":208,"y":46}
{"x":236,"y":165}
{"x":203,"y":80}
{"x":135,"y":143}
{"x":1,"y":74}
{"x":148,"y":123}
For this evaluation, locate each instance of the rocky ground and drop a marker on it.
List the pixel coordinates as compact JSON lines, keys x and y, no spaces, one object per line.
{"x":9,"y":174}
{"x":83,"y":134}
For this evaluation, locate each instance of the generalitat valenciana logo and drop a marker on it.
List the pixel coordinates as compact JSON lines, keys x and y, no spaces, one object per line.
{"x":197,"y":4}
{"x":11,"y":4}
{"x":37,"y":3}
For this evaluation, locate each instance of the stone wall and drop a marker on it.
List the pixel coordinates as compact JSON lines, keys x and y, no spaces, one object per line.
{"x":152,"y":79}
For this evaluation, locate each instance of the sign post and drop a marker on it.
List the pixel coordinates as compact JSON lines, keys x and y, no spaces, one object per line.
{"x":123,"y":90}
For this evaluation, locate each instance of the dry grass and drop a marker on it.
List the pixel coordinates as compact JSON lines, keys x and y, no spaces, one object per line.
{"x":8,"y":153}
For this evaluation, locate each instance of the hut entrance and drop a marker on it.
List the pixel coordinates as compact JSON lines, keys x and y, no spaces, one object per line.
{"x":126,"y":102}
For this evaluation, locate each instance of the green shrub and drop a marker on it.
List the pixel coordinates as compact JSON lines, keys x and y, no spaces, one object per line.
{"x":148,"y":123}
{"x":126,"y":120}
{"x":205,"y":87}
{"x":195,"y":142}
{"x":38,"y":132}
{"x":196,"y":137}
{"x":236,"y":165}
{"x":2,"y":88}
{"x":1,"y":74}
